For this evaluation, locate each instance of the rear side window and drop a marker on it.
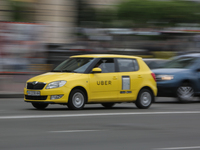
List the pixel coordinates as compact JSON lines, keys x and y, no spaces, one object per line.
{"x":127,"y":65}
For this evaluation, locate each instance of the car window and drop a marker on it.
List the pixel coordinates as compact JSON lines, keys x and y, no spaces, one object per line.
{"x":127,"y":65}
{"x":155,"y":63}
{"x":106,"y":64}
{"x":74,"y":65}
{"x":183,"y":62}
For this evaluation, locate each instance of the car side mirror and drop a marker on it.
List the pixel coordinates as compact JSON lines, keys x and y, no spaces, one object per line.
{"x":96,"y":70}
{"x":198,"y":70}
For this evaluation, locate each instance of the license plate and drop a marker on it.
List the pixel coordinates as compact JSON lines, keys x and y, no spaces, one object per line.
{"x":33,"y":93}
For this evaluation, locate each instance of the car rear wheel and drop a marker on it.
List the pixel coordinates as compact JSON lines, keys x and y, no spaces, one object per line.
{"x":185,"y":92}
{"x":144,"y":99}
{"x":108,"y":105}
{"x":40,"y":106}
{"x":77,"y":99}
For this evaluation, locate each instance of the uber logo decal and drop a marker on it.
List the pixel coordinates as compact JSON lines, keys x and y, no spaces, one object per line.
{"x":103,"y":82}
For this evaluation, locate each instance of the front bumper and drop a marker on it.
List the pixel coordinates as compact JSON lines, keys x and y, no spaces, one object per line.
{"x":45,"y":95}
{"x":166,"y":89}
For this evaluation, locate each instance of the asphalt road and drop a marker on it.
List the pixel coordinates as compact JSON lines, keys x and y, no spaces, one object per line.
{"x":166,"y":125}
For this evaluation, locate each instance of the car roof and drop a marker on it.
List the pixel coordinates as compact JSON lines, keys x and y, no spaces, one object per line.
{"x":105,"y":56}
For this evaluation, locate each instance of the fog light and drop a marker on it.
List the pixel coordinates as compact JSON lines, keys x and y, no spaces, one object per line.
{"x":56,"y":96}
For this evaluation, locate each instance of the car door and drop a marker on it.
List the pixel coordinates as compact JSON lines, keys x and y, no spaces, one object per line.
{"x":104,"y":85}
{"x":130,"y":78}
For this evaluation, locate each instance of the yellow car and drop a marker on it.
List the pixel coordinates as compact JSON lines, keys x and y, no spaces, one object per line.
{"x":98,"y":78}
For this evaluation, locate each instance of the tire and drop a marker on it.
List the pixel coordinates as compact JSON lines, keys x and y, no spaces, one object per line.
{"x":108,"y":105}
{"x":40,"y":106}
{"x":77,"y":99}
{"x":144,"y":99}
{"x":185,"y":92}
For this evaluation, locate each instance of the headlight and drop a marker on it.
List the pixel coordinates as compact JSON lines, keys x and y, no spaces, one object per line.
{"x":164,"y":77}
{"x":56,"y":84}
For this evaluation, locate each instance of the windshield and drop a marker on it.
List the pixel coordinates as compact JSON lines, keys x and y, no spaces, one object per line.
{"x":78,"y":65}
{"x":183,"y":62}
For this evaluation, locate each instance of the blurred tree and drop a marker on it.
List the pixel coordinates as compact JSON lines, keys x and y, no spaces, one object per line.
{"x":85,"y":13}
{"x":158,"y":12}
{"x":22,"y":10}
{"x":106,"y":14}
{"x":88,"y":15}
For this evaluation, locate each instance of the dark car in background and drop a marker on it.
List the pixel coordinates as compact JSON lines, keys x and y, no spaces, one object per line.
{"x":179,"y":77}
{"x":154,"y":63}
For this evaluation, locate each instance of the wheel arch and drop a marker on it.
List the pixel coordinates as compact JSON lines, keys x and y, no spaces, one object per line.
{"x":80,"y":88}
{"x":189,"y":82}
{"x":185,"y":81}
{"x":147,"y":87}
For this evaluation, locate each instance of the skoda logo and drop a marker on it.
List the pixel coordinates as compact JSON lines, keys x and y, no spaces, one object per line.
{"x":34,"y":82}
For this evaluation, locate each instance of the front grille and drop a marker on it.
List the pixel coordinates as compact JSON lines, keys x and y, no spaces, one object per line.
{"x":37,"y":86}
{"x":35,"y":97}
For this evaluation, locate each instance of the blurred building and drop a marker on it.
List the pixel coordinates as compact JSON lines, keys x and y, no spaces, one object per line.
{"x":58,"y":17}
{"x":4,"y":13}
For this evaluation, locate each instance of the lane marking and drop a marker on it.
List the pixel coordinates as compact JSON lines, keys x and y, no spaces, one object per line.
{"x":98,"y":114}
{"x":174,"y":148}
{"x":72,"y":131}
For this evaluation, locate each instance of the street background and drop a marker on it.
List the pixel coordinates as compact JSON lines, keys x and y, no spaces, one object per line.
{"x":36,"y":35}
{"x":165,"y":125}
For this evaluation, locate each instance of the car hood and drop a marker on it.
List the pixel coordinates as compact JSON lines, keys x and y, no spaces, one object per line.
{"x":169,"y":70}
{"x":53,"y":76}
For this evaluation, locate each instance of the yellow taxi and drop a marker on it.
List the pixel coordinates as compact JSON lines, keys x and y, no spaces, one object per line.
{"x":95,"y":78}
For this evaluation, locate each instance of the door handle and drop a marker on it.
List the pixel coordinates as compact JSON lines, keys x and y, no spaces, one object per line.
{"x":139,"y":76}
{"x":114,"y":78}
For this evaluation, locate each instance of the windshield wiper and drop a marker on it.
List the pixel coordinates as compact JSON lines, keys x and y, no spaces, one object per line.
{"x":61,"y":71}
{"x":68,"y":71}
{"x":55,"y":71}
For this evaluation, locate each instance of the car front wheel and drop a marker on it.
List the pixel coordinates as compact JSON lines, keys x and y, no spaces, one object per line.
{"x":144,"y":99}
{"x":40,"y":105}
{"x":77,"y":99}
{"x":185,"y":93}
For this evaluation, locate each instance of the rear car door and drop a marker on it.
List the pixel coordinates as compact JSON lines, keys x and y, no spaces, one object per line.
{"x":130,"y":78}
